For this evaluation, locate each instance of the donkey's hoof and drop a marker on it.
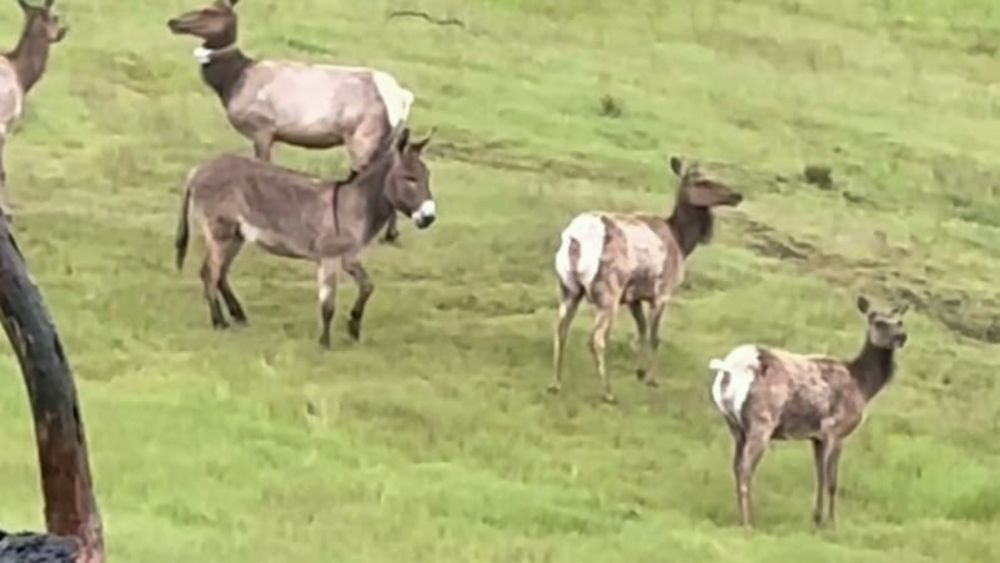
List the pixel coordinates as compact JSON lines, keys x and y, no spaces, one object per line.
{"x":240,"y":320}
{"x":354,"y":330}
{"x":220,"y":324}
{"x":652,"y":382}
{"x":324,"y":341}
{"x":554,"y":389}
{"x":640,"y":373}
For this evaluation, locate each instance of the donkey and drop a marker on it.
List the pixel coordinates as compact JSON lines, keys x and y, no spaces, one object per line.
{"x":632,"y":259}
{"x":768,"y":393}
{"x":290,"y":214}
{"x":306,"y":105}
{"x":20,"y":70}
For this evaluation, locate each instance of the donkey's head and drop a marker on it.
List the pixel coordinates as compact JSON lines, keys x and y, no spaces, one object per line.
{"x":885,"y":329}
{"x":41,"y":21}
{"x":215,"y":24}
{"x":409,"y":189}
{"x":697,"y":190}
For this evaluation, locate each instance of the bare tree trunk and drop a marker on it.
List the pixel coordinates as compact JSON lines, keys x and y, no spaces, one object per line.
{"x":70,"y":508}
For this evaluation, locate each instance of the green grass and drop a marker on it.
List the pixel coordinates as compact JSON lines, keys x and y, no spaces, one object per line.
{"x":432,"y":440}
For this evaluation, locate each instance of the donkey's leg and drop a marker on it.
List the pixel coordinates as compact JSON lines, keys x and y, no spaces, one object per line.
{"x":569,"y":302}
{"x":326,"y":278}
{"x":819,"y":447}
{"x":641,"y":328}
{"x":357,"y":272}
{"x":230,"y":249}
{"x":4,"y":195}
{"x":659,"y":308}
{"x":391,"y":231}
{"x":210,"y":274}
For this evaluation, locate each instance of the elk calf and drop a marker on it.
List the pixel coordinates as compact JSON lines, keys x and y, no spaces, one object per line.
{"x":768,"y":393}
{"x":290,"y":214}
{"x":632,"y":259}
{"x":305,"y":105}
{"x":20,"y":70}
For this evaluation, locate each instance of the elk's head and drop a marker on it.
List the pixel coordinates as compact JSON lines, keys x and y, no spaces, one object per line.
{"x":885,"y":329}
{"x":698,"y":190}
{"x":215,"y":24}
{"x":41,"y":20}
{"x":409,"y":189}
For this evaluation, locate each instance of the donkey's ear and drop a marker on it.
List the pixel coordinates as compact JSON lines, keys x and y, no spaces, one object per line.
{"x":49,"y":3}
{"x":419,"y":145}
{"x":863,"y":304}
{"x":675,"y":165}
{"x":404,"y":139}
{"x":901,"y":310}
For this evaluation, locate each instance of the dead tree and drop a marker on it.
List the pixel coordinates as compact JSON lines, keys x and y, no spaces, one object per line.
{"x":70,"y":508}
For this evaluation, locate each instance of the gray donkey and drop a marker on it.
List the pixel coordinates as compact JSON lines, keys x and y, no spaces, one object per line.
{"x":290,"y":214}
{"x":21,"y":69}
{"x":306,"y":105}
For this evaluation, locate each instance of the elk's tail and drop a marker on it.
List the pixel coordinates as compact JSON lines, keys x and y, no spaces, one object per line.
{"x":183,"y":228}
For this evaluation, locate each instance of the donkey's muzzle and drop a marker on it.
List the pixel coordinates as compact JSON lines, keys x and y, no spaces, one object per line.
{"x":425,"y":215}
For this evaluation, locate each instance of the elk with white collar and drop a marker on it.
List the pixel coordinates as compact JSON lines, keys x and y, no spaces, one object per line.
{"x":306,"y":105}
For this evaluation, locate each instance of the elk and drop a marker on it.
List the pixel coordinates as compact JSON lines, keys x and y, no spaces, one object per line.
{"x":290,"y":214}
{"x":20,"y":70}
{"x":313,"y":106}
{"x":635,"y":260}
{"x":770,"y":394}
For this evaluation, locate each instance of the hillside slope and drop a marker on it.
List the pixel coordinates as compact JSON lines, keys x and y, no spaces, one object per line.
{"x":433,"y":440}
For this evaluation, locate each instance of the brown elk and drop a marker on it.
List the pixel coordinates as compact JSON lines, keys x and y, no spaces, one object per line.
{"x":306,"y":105}
{"x":20,"y":70}
{"x":632,"y":259}
{"x":290,"y":214}
{"x":770,"y":394}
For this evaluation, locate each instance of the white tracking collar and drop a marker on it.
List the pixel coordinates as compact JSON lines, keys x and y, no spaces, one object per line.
{"x":204,"y":55}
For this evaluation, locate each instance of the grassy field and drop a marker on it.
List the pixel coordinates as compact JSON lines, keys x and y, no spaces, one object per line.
{"x":432,"y":440}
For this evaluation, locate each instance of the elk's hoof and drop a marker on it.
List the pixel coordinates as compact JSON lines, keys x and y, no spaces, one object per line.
{"x":640,"y":373}
{"x":652,"y":382}
{"x":220,"y":324}
{"x":609,"y":399}
{"x":324,"y":341}
{"x":554,"y":389}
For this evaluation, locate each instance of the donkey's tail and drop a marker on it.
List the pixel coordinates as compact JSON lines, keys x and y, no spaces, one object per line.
{"x":183,"y":230}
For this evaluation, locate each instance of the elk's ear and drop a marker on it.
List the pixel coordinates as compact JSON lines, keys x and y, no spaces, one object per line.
{"x":24,"y":5}
{"x":901,"y":310}
{"x":48,"y":4}
{"x":404,"y":139}
{"x":863,"y":304}
{"x":419,"y":145}
{"x":675,"y":165}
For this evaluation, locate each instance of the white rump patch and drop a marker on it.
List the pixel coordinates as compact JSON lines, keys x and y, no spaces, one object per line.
{"x":248,"y":231}
{"x":397,"y":99}
{"x":427,"y":209}
{"x":588,"y":231}
{"x":733,"y":377}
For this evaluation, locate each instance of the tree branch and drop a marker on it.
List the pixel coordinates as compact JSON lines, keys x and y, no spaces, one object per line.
{"x":70,"y":508}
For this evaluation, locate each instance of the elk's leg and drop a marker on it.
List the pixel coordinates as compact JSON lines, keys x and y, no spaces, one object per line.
{"x":391,"y":231}
{"x":641,"y":328}
{"x":262,"y":144}
{"x":659,"y":308}
{"x":753,"y":450}
{"x":326,"y":278}
{"x":832,"y":463}
{"x":598,"y":345}
{"x":819,"y":459}
{"x":365,"y":289}
{"x":4,"y":195}
{"x":569,"y":302}
{"x":739,"y":444}
{"x":229,"y":251}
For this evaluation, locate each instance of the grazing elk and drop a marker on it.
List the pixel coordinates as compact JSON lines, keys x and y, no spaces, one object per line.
{"x":20,"y":70}
{"x":290,"y":214}
{"x":770,"y":394}
{"x":632,"y":259}
{"x":306,"y":105}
